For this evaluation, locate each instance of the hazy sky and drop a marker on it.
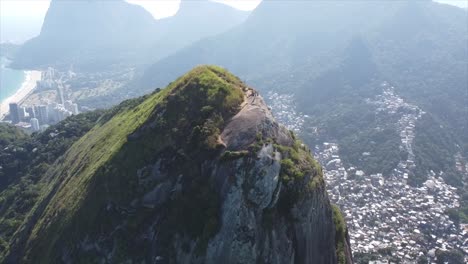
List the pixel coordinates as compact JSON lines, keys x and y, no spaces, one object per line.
{"x":159,"y":8}
{"x":22,"y":19}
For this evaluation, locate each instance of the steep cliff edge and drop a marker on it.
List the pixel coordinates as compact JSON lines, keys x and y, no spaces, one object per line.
{"x":199,"y":172}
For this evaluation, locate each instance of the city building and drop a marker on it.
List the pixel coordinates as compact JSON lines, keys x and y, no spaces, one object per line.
{"x":47,"y":81}
{"x":387,"y":218}
{"x":68,"y":105}
{"x":31,"y":112}
{"x":58,"y":113}
{"x":42,"y":114}
{"x":74,"y":109}
{"x":22,"y":113}
{"x":34,"y":124}
{"x":15,"y":113}
{"x":60,"y":96}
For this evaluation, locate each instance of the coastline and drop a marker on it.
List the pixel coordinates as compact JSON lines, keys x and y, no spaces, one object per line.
{"x":27,"y":87}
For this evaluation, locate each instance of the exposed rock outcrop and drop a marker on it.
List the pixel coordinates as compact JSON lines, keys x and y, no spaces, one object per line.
{"x":252,"y":119}
{"x":252,"y":186}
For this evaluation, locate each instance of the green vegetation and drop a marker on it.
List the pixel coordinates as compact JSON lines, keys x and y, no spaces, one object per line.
{"x":24,"y":161}
{"x":364,"y":258}
{"x":452,"y":256}
{"x":10,"y":134}
{"x":434,"y":149}
{"x":12,"y":141}
{"x":233,"y":155}
{"x":296,"y":163}
{"x":300,"y":173}
{"x":459,"y":215}
{"x":340,"y":235}
{"x":357,"y":129}
{"x":289,"y":171}
{"x":383,"y":147}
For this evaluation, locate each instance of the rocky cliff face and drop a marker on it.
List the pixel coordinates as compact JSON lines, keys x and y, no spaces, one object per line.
{"x":253,"y":227}
{"x":198,"y":173}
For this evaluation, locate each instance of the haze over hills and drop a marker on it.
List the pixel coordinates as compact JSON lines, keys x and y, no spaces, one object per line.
{"x":199,"y":172}
{"x":284,"y":37}
{"x":329,"y":53}
{"x":96,"y":34}
{"x":194,"y":20}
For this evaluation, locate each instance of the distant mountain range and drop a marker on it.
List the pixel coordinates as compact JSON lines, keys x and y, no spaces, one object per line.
{"x":333,"y":55}
{"x":93,"y":35}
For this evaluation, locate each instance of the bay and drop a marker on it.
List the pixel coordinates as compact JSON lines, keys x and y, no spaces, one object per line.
{"x":10,"y":79}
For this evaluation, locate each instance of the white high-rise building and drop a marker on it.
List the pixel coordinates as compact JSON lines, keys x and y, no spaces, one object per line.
{"x":68,"y":105}
{"x":59,"y":113}
{"x":51,"y":111}
{"x":74,"y":109}
{"x":31,"y":112}
{"x":34,"y":124}
{"x":42,"y":114}
{"x":60,"y":95}
{"x":22,"y":113}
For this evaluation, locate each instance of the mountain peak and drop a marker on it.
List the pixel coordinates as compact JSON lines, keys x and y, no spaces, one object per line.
{"x":208,"y":87}
{"x":203,"y":5}
{"x":211,"y":73}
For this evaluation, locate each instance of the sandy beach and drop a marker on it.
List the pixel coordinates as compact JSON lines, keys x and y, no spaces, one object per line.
{"x":26,"y":88}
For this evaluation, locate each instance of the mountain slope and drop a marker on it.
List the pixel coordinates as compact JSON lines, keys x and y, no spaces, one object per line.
{"x":199,"y":172}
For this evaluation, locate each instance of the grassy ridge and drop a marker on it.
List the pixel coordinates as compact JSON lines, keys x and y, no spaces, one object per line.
{"x":24,"y":162}
{"x":81,"y":162}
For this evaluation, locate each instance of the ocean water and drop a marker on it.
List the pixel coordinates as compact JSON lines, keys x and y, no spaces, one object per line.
{"x":10,"y":80}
